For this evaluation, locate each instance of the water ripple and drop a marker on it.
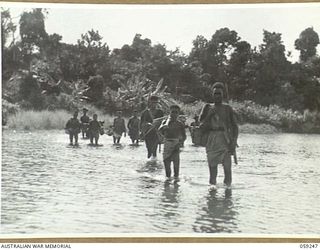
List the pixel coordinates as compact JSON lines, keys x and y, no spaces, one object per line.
{"x":52,"y":188}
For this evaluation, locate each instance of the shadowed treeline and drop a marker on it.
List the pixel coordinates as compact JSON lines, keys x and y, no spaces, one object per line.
{"x":42,"y":73}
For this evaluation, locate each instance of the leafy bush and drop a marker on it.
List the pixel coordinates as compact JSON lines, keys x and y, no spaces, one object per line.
{"x":7,"y":110}
{"x":250,"y":112}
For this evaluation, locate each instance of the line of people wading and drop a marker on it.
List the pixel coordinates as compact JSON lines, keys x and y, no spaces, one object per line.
{"x":215,"y":129}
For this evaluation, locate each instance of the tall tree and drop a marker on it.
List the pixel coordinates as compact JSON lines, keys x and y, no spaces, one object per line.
{"x":32,"y":32}
{"x":238,"y":75}
{"x":214,"y":54}
{"x":305,"y":78}
{"x":269,"y":70}
{"x":10,"y":52}
{"x":199,"y":51}
{"x":94,"y":55}
{"x":7,"y":28}
{"x":307,"y":44}
{"x":53,"y":45}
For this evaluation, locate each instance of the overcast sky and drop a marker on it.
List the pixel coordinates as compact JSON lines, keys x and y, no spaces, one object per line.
{"x":177,"y":25}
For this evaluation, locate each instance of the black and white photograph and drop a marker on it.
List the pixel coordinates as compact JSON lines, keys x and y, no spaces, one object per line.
{"x":169,"y":120}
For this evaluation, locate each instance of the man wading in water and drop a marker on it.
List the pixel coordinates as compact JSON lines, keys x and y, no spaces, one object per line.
{"x":218,"y":120}
{"x":174,"y":134}
{"x":119,"y":128}
{"x":94,"y":130}
{"x":149,"y":130}
{"x":133,"y":128}
{"x":85,"y":123}
{"x":73,"y":127}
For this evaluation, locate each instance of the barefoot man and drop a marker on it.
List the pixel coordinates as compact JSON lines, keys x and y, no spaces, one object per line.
{"x":218,"y":119}
{"x":148,"y":129}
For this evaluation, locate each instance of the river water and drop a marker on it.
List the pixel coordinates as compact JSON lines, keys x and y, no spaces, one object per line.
{"x":50,"y":188}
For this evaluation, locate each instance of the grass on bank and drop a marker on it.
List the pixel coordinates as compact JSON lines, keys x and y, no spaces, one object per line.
{"x":35,"y":120}
{"x":46,"y":120}
{"x":253,"y":118}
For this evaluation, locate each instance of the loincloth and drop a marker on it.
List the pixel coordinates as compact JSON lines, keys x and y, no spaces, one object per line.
{"x":134,"y":134}
{"x":171,"y":146}
{"x":94,"y":133}
{"x":217,"y":148}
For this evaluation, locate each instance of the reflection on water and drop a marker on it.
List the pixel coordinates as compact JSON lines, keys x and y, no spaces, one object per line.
{"x":48,"y":187}
{"x":170,"y":202}
{"x":170,"y":192}
{"x":217,"y":216}
{"x":170,"y":198}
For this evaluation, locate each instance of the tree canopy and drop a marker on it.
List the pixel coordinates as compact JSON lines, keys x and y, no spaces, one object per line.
{"x":261,"y":74}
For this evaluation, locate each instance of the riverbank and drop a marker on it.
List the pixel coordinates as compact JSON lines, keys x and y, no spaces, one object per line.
{"x":266,"y":119}
{"x":252,"y":118}
{"x":47,"y":120}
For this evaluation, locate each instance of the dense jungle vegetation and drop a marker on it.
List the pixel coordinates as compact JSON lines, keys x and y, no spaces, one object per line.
{"x":40,"y":72}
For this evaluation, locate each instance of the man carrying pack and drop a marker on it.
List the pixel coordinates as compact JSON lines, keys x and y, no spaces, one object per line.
{"x":149,"y":129}
{"x":134,"y":128}
{"x":84,"y":123}
{"x":218,"y":119}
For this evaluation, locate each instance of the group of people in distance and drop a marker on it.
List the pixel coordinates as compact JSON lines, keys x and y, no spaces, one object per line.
{"x":91,"y":129}
{"x":217,"y":123}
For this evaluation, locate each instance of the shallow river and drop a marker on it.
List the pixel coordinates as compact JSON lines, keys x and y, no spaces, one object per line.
{"x":50,"y":188}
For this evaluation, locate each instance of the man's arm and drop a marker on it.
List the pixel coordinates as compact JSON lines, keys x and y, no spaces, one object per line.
{"x":235,"y":133}
{"x":234,"y":126}
{"x":205,"y":116}
{"x":183,"y":131}
{"x":204,"y":112}
{"x":142,"y":119}
{"x":68,"y":124}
